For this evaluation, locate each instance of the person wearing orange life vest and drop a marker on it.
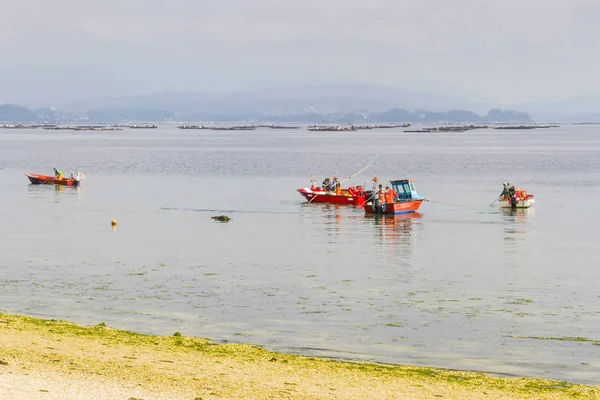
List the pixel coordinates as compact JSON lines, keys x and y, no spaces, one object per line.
{"x":381,"y":194}
{"x":389,"y":195}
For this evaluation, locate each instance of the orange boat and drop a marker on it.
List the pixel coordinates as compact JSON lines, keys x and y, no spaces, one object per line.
{"x":406,"y":199}
{"x":36,"y":179}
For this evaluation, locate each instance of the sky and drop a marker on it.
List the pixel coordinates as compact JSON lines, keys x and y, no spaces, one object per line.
{"x":510,"y":51}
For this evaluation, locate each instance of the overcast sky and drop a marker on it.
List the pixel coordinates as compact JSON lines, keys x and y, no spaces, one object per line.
{"x":507,"y":50}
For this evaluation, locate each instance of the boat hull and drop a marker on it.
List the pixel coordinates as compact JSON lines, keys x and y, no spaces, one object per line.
{"x":321,"y":196}
{"x":50,"y":180}
{"x":505,"y":203}
{"x":399,"y":207}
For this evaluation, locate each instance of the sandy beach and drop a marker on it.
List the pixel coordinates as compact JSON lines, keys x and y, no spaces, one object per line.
{"x":42,"y":359}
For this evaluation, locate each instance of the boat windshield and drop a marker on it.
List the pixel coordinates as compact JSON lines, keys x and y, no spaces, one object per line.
{"x":403,"y":190}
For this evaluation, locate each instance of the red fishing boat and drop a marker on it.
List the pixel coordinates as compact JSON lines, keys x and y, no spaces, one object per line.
{"x":331,"y":191}
{"x":404,"y":199}
{"x":352,"y":196}
{"x":73,"y":180}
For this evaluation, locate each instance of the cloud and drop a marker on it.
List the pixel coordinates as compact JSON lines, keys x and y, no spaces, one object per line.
{"x":510,"y":50}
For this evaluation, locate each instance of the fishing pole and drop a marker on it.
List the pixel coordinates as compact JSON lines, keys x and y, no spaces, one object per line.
{"x":497,"y":198}
{"x":506,"y":184}
{"x":494,"y":202}
{"x":314,"y":197}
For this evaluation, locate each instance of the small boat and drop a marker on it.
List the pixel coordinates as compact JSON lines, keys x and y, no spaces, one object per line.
{"x":406,"y":200}
{"x":520,"y":203}
{"x":512,"y":197}
{"x":354,"y":196}
{"x":74,"y":180}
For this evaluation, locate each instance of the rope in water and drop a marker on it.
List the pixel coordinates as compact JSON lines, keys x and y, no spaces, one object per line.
{"x":451,"y":204}
{"x":546,"y":201}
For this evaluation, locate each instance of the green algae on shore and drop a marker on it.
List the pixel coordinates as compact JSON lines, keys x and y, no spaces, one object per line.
{"x":243,"y":371}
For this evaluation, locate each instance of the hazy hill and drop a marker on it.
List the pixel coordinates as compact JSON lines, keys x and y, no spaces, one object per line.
{"x":395,"y":115}
{"x":282,"y":100}
{"x":14,"y":113}
{"x":11,"y":113}
{"x":309,"y":104}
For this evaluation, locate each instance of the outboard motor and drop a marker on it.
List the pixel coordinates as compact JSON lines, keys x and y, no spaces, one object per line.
{"x":378,"y":206}
{"x":513,"y":201}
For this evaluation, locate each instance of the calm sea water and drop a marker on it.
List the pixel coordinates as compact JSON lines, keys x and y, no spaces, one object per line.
{"x":460,"y":287}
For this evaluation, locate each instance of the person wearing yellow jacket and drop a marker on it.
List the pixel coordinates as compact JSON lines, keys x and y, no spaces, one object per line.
{"x":58,"y":174}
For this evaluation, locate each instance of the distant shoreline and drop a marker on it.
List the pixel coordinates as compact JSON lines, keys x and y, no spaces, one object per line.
{"x":46,"y":358}
{"x":305,"y":114}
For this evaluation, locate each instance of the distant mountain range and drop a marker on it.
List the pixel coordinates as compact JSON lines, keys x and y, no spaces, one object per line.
{"x":283,"y":100}
{"x":10,"y":113}
{"x":310,"y":104}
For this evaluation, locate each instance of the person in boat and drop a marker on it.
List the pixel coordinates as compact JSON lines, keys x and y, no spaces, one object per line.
{"x":390,"y":195}
{"x":57,"y":173}
{"x":512,"y":195}
{"x":325,"y":184}
{"x":336,"y":186}
{"x":381,"y":194}
{"x":505,"y":194}
{"x":379,"y":200}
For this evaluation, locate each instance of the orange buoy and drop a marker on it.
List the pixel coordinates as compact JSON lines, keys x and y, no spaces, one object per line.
{"x":113,"y":222}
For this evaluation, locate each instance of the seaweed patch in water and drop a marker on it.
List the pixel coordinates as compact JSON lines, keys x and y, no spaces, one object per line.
{"x":561,"y":339}
{"x":521,"y":301}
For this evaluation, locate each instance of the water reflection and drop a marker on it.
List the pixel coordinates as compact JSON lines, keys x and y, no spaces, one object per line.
{"x":517,"y":212}
{"x":517,"y":223}
{"x":333,"y":218}
{"x":396,"y":231}
{"x":39,"y":190}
